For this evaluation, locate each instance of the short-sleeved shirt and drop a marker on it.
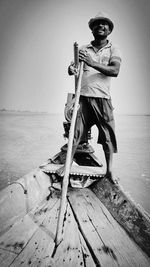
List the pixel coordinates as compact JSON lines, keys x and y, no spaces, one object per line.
{"x":95,"y":83}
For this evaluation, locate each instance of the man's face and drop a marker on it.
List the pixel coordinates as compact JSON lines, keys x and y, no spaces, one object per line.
{"x":101,"y":29}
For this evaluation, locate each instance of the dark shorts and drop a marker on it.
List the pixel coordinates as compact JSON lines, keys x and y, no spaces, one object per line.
{"x":99,"y":112}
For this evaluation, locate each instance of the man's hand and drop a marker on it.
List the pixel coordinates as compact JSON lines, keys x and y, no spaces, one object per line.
{"x":72,"y":70}
{"x":86,"y":57}
{"x":112,"y":69}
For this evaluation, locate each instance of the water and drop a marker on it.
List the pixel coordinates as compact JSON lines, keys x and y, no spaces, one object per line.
{"x":29,"y":139}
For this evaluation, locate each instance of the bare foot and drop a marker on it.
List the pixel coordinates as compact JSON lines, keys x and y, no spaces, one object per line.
{"x":112,"y":178}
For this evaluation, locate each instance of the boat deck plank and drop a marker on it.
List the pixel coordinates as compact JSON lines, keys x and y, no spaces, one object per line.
{"x":16,"y":238}
{"x":91,"y":236}
{"x":76,"y":169}
{"x":39,"y":248}
{"x":109,"y":242}
{"x":6,"y":257}
{"x":73,"y":250}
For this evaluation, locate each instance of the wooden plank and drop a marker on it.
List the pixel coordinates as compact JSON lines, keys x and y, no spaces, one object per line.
{"x":32,"y":239}
{"x":6,"y":257}
{"x":132,"y":218}
{"x":69,"y":252}
{"x":14,"y":204}
{"x":76,"y":169}
{"x":80,"y":176}
{"x":87,"y":257}
{"x":72,"y":251}
{"x":39,"y":248}
{"x":91,"y":237}
{"x":125,"y":249}
{"x":16,"y":238}
{"x":109,"y":242}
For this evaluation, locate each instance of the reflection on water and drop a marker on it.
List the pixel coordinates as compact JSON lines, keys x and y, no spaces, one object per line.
{"x":28,"y":139}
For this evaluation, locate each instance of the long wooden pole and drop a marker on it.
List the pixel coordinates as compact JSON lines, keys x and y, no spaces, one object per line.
{"x":76,"y":62}
{"x":68,"y":163}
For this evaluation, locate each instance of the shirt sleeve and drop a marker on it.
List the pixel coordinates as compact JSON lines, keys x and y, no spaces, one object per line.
{"x":115,"y":54}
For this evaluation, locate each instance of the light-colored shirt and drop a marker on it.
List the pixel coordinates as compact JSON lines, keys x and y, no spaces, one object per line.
{"x":95,"y":83}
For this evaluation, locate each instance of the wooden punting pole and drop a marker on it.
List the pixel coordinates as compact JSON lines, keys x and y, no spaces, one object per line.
{"x":68,"y":162}
{"x":76,"y":62}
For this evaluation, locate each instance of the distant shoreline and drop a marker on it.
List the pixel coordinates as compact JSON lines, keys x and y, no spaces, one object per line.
{"x":49,"y":113}
{"x":22,"y":111}
{"x":28,"y":112}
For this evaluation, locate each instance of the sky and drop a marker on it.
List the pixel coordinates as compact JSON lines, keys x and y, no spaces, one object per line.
{"x":36,"y":47}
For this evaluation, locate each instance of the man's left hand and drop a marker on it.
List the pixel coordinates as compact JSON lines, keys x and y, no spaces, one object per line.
{"x":86,"y":57}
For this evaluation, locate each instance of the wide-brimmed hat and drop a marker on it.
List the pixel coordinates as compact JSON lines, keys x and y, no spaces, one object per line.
{"x":101,"y":16}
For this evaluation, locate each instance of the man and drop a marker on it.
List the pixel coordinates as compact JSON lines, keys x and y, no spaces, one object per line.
{"x":101,"y":62}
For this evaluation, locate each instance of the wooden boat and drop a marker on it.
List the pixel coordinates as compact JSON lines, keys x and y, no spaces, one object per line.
{"x":102,"y":225}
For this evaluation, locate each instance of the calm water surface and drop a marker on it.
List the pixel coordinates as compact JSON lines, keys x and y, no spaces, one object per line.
{"x":29,"y":139}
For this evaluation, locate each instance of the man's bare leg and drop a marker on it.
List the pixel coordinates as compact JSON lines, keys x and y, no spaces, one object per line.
{"x":109,"y":171}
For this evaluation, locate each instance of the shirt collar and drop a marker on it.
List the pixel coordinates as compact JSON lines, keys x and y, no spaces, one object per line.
{"x":109,"y":44}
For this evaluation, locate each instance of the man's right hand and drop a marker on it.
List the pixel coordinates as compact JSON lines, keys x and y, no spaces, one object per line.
{"x":72,"y":70}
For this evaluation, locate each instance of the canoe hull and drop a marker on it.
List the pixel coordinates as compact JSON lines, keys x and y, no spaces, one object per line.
{"x":91,"y":234}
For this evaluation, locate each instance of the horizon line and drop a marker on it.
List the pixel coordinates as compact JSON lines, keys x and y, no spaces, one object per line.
{"x":48,"y":112}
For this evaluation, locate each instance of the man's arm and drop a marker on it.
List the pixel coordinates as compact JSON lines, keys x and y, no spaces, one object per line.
{"x":109,"y":70}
